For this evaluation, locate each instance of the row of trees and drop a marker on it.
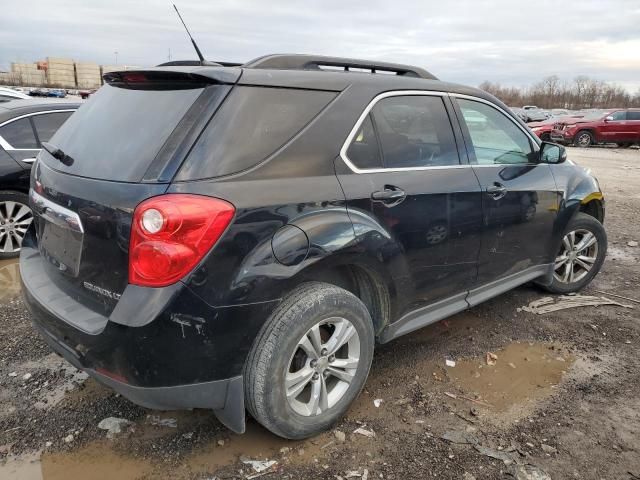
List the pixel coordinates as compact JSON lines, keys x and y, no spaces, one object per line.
{"x":552,"y":92}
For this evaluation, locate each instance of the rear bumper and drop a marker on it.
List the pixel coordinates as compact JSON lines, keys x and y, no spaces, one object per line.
{"x":225,"y":396}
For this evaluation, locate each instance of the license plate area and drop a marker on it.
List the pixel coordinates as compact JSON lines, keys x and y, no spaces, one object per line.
{"x":60,"y":234}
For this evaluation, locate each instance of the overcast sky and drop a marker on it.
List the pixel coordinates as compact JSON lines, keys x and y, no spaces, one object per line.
{"x":513,"y":42}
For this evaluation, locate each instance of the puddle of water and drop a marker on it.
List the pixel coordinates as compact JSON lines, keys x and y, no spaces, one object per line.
{"x":523,"y":374}
{"x":9,"y":280}
{"x":95,"y":462}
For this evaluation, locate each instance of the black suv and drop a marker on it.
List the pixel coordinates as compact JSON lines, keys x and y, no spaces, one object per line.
{"x":231,"y":237}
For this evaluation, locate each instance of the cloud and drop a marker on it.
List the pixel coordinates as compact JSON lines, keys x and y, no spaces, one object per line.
{"x":513,"y":42}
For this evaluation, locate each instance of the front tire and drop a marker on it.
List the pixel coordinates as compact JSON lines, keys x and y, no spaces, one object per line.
{"x":309,"y":361}
{"x":15,"y":218}
{"x":584,"y":138}
{"x":581,"y":255}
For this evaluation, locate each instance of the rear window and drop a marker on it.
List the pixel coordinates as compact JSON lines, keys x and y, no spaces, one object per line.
{"x":252,"y":124}
{"x":118,"y":132}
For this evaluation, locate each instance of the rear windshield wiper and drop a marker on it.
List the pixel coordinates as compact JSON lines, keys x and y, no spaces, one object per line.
{"x":58,"y":154}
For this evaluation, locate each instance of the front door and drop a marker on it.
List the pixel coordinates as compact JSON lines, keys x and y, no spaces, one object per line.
{"x":403,"y":168}
{"x":519,"y":200}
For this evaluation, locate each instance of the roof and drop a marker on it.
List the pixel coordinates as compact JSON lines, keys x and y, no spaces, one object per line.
{"x":15,"y":108}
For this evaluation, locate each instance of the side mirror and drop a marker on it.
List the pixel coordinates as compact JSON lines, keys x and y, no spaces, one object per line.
{"x":608,"y":118}
{"x":552,"y":153}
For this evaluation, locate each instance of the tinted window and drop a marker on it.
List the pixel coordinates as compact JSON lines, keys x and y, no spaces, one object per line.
{"x":633,"y":115}
{"x":496,"y":139}
{"x":414,"y":131}
{"x":251,"y":124}
{"x":48,"y":123}
{"x":19,"y":134}
{"x":118,"y":132}
{"x":364,"y":151}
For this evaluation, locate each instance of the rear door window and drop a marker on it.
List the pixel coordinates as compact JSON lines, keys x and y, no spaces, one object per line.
{"x":251,"y":124}
{"x":48,"y":123}
{"x":633,"y":115}
{"x":118,"y":132}
{"x":415,"y":131}
{"x":364,"y":151}
{"x":19,"y":134}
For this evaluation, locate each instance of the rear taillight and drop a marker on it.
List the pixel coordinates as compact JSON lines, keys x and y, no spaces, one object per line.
{"x":171,"y":234}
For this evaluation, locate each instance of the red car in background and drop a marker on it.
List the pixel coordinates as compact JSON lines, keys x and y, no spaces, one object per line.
{"x":544,"y":128}
{"x":617,"y":126}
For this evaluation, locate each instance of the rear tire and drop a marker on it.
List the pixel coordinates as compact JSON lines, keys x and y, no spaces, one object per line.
{"x":297,"y":343}
{"x":584,"y":138}
{"x":15,"y":218}
{"x":581,"y":255}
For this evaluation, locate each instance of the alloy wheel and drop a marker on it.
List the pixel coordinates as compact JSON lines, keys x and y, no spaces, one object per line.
{"x":577,"y":257}
{"x":584,"y":140}
{"x":322,"y":366}
{"x":15,"y":218}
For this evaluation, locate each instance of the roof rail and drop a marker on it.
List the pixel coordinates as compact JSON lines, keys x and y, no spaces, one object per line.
{"x":317,"y":62}
{"x":197,"y":63}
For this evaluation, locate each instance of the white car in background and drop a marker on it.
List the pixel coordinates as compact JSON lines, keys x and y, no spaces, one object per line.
{"x":8,"y":94}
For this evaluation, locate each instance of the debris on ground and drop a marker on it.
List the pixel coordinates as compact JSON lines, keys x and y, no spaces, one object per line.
{"x":553,"y":304}
{"x":13,"y":374}
{"x":492,"y":358}
{"x":365,"y":432}
{"x":632,"y":243}
{"x":461,"y":437}
{"x":529,"y":472}
{"x":468,"y":399}
{"x":377,"y":402}
{"x":162,"y":422}
{"x":259,"y":466}
{"x":618,"y":296}
{"x":548,"y":449}
{"x":468,"y":476}
{"x":68,"y":439}
{"x":113,"y":425}
{"x":26,"y":376}
{"x":497,"y":454}
{"x":340,"y":436}
{"x":450,"y":363}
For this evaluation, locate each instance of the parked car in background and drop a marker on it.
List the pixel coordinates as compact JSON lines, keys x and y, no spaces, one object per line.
{"x":278,"y":220}
{"x":84,"y":94}
{"x":24,"y":125}
{"x":536,"y":114}
{"x":519,"y":112}
{"x":57,"y":93}
{"x":621,"y":126}
{"x":544,"y":128}
{"x":8,"y":94}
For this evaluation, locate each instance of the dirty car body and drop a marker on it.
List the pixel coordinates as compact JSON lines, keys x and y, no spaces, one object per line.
{"x":312,"y":199}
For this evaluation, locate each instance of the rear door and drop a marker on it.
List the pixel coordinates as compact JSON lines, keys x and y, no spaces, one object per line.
{"x":22,"y":137}
{"x":18,"y":139}
{"x":617,"y":129}
{"x":633,"y":117}
{"x":519,"y":199}
{"x":405,"y":171}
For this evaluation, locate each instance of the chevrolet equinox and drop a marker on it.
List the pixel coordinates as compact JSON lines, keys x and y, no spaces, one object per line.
{"x":237,"y":237}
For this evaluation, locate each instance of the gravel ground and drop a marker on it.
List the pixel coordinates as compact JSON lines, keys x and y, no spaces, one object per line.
{"x":563,"y":397}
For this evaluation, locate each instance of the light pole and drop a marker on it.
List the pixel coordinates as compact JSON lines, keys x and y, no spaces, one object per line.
{"x":116,"y":54}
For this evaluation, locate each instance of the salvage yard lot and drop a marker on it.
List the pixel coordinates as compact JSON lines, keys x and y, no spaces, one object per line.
{"x":563,"y":395}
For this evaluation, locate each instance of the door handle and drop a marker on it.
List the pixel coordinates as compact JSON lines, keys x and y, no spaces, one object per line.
{"x":390,"y":195}
{"x":497,"y":191}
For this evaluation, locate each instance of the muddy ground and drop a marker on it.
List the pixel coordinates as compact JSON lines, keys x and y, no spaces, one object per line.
{"x":563,"y":396}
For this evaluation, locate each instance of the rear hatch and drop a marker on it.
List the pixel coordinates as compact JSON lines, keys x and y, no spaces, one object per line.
{"x":121,"y":147}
